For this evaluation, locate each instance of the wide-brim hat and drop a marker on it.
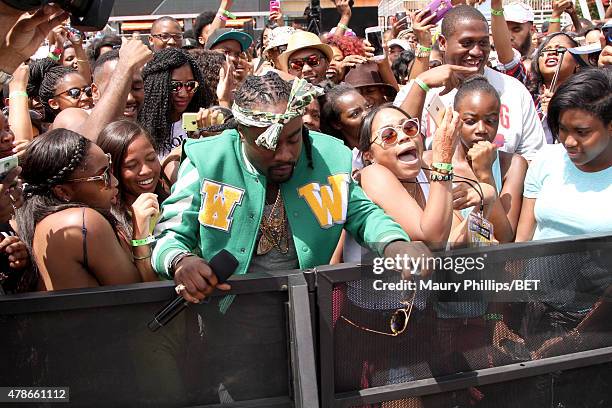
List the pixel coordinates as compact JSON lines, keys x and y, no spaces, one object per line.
{"x":224,"y":34}
{"x":301,"y":40}
{"x":367,"y":75}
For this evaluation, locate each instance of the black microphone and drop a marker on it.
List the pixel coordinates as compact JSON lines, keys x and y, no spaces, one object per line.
{"x":223,"y":266}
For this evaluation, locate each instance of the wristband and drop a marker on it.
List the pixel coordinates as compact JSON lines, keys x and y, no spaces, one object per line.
{"x":144,"y":241}
{"x":422,"y":84}
{"x":15,"y":94}
{"x":445,"y":167}
{"x":554,"y":20}
{"x":343,"y":26}
{"x":494,"y":316}
{"x":53,"y":57}
{"x":435,"y":176}
{"x":424,"y":48}
{"x":222,"y":17}
{"x":227,"y":14}
{"x":496,"y":12}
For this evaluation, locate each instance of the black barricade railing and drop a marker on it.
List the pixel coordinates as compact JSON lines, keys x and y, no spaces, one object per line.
{"x":96,"y":341}
{"x":262,"y":351}
{"x":458,"y":340}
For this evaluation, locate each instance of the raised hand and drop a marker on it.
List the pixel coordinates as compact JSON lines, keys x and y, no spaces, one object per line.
{"x":144,"y":209}
{"x":448,"y":76}
{"x":482,"y":155}
{"x":446,"y":137}
{"x":133,"y":54}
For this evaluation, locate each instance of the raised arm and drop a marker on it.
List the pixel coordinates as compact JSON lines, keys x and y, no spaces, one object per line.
{"x":217,"y":23}
{"x":422,"y":29}
{"x":19,"y":114}
{"x":501,"y":34}
{"x":345,"y":16}
{"x":133,"y":55}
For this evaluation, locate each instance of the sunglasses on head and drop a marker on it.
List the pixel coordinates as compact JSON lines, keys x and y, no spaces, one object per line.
{"x":75,"y":93}
{"x":106,"y":176}
{"x":388,"y":136}
{"x":189,"y":86}
{"x":298,"y":64}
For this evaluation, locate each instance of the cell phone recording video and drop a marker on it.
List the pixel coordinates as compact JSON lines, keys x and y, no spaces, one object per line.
{"x":374,"y":35}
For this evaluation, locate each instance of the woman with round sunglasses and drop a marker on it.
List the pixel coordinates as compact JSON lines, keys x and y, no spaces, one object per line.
{"x":65,"y":220}
{"x":62,"y":88}
{"x":173,"y":85}
{"x":139,"y":178}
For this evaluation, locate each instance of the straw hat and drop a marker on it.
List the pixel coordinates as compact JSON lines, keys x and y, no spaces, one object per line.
{"x":301,"y":40}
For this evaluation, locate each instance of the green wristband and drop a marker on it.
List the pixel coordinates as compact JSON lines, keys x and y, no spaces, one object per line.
{"x":494,"y":316}
{"x":424,"y":49}
{"x":145,"y":241}
{"x":443,"y":166}
{"x":343,"y":26}
{"x":229,"y":15}
{"x":554,"y":20}
{"x":53,"y":57}
{"x":15,"y":94}
{"x":422,"y":84}
{"x":496,"y":12}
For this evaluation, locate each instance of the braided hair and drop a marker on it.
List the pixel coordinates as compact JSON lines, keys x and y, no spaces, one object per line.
{"x":155,"y":112}
{"x":268,"y":90}
{"x":210,"y":62}
{"x":48,"y":87}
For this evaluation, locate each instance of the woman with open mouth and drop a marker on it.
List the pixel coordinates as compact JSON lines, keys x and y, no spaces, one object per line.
{"x":140,"y":189}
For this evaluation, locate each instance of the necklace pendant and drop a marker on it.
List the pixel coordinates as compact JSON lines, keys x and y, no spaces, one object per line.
{"x":264,"y":245}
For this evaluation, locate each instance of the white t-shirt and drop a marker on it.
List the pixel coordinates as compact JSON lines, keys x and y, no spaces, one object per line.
{"x":177,"y":136}
{"x":520,"y":130}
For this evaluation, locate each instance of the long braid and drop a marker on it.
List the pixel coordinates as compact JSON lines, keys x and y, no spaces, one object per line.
{"x":48,"y":87}
{"x":155,"y":113}
{"x":268,"y":89}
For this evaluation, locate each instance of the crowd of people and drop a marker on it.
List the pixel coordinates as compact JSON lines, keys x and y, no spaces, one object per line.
{"x":139,"y":161}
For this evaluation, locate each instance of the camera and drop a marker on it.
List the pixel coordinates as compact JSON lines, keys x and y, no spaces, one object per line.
{"x":86,"y":15}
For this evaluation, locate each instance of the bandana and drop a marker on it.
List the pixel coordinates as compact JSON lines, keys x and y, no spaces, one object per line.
{"x":302,"y":94}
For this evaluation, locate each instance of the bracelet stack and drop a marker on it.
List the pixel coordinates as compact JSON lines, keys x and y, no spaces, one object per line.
{"x":145,"y":241}
{"x":422,"y":51}
{"x":441,"y":172}
{"x":554,"y":20}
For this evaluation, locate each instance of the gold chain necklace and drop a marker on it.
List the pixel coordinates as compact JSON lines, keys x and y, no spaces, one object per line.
{"x":274,"y":230}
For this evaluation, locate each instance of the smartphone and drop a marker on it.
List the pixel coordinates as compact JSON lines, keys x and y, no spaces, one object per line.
{"x":440,"y":7}
{"x":7,"y":164}
{"x":400,"y":16}
{"x":374,"y":35}
{"x":274,"y":6}
{"x":436,"y":109}
{"x":190,"y":122}
{"x":607,"y":32}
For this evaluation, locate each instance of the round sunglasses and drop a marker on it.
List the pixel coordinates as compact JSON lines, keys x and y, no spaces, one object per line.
{"x":75,"y":93}
{"x":388,"y":136}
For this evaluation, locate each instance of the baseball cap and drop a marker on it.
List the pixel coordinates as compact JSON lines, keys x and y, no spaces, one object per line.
{"x":518,"y":13}
{"x":400,"y":43}
{"x":224,"y":34}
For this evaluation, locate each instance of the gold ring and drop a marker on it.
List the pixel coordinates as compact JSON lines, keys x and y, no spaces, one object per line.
{"x":179,"y":288}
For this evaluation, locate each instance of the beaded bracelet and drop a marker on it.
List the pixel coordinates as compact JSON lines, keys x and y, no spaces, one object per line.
{"x":145,"y":241}
{"x":435,"y":176}
{"x":496,"y":12}
{"x":422,"y":84}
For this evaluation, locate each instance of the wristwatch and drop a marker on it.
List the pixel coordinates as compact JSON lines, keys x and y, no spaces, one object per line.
{"x":5,"y":78}
{"x":178,"y":258}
